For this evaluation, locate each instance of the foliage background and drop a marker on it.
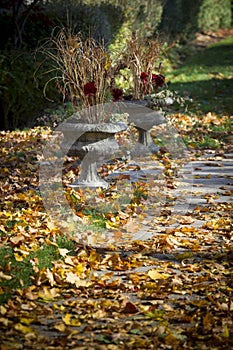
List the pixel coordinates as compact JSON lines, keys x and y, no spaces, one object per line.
{"x":24,"y":26}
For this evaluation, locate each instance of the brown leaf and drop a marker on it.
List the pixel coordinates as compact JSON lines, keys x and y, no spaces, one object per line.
{"x":208,"y":321}
{"x":129,"y":307}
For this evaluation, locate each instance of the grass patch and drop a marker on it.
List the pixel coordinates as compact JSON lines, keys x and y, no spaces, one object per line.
{"x":22,"y":272}
{"x":207,"y":76}
{"x":206,"y":142}
{"x":19,"y":271}
{"x":208,"y":131}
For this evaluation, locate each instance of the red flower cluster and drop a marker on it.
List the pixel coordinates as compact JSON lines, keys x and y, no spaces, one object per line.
{"x":89,"y":88}
{"x":117,"y":94}
{"x":144,"y":77}
{"x":158,"y":80}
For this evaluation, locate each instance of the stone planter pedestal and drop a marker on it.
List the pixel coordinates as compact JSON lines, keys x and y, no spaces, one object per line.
{"x":94,"y":143}
{"x":144,"y":123}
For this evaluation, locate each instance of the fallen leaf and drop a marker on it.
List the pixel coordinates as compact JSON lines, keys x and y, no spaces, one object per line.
{"x":5,"y":277}
{"x":47,"y":294}
{"x":50,"y":277}
{"x":68,"y":321}
{"x":63,"y":252}
{"x":60,"y":327}
{"x":129,"y":307}
{"x":156,"y":275}
{"x":24,"y":329}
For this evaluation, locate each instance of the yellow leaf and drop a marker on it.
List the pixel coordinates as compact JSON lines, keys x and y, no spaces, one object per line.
{"x":27,"y":321}
{"x":6,"y":170}
{"x":74,"y":279}
{"x":60,"y":327}
{"x":49,"y":242}
{"x":70,"y":322}
{"x":75,"y":323}
{"x":61,"y":272}
{"x":24,"y":329}
{"x":79,"y":269}
{"x":226,"y":333}
{"x":4,"y":321}
{"x":94,"y":257}
{"x":186,"y":229}
{"x":111,"y":225}
{"x":156,"y":275}
{"x":3,"y":310}
{"x":48,"y":294}
{"x":22,"y":196}
{"x":59,"y":307}
{"x":18,"y":257}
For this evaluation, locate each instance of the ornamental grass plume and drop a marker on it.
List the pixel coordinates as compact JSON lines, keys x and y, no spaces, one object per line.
{"x":141,"y":56}
{"x":81,"y":68}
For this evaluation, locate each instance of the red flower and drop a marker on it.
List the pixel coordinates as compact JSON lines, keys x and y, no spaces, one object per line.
{"x":117,"y":94}
{"x":158,"y":80}
{"x":89,"y":88}
{"x":143,"y":77}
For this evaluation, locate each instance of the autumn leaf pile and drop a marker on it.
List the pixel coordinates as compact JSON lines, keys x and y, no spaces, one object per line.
{"x":173,"y":291}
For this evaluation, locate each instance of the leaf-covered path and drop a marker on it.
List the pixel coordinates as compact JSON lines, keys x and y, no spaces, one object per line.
{"x":170,"y":289}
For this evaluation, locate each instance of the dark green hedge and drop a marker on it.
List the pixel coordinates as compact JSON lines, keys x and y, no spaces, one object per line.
{"x":21,"y":96}
{"x":215,"y":14}
{"x":183,"y":18}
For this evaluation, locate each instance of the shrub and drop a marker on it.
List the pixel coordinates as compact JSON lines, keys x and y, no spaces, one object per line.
{"x":21,"y":99}
{"x":144,"y":16}
{"x":214,"y":14}
{"x":97,"y":19}
{"x":183,"y":18}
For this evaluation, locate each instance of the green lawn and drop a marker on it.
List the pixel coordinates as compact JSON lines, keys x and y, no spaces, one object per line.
{"x":207,"y":77}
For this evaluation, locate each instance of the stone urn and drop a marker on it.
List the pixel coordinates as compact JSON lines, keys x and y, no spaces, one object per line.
{"x":93,"y":143}
{"x":144,"y":124}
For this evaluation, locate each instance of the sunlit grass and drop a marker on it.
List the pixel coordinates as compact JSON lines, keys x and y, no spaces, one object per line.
{"x":207,"y":77}
{"x":22,"y":272}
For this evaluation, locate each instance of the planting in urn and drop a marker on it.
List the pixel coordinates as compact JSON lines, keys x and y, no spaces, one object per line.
{"x":82,"y":72}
